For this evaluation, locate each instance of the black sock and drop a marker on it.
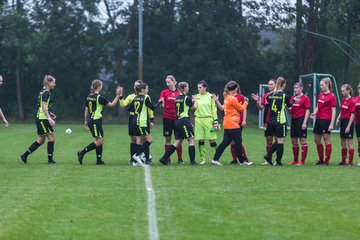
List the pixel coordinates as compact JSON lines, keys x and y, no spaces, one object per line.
{"x":142,"y":148}
{"x":272,"y":149}
{"x":99,"y":151}
{"x":50,"y":150}
{"x":238,"y":152}
{"x":147,"y":153}
{"x":132,"y":149}
{"x":192,"y":153}
{"x":32,"y":148}
{"x":169,"y":152}
{"x":279,"y":152}
{"x":213,"y":144}
{"x":88,"y":148}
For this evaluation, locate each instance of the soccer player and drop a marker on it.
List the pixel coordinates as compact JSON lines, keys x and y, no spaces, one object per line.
{"x":6,"y":123}
{"x":357,"y":118}
{"x":277,"y":101}
{"x":346,"y":119}
{"x":93,"y":119}
{"x":183,"y":127}
{"x":325,"y":118}
{"x":300,"y":113}
{"x":263,"y":105}
{"x":126,"y":103}
{"x":231,"y":124}
{"x":45,"y":121}
{"x":206,"y":120}
{"x":141,"y":130}
{"x":242,"y":122}
{"x":168,"y":97}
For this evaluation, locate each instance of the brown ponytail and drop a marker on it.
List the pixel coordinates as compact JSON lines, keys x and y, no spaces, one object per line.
{"x":95,"y":85}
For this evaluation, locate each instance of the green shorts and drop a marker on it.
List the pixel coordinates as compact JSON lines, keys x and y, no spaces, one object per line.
{"x":203,"y":128}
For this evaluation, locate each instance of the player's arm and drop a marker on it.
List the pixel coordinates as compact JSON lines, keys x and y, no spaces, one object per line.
{"x":238,"y":106}
{"x":218,"y":103}
{"x":315,"y":112}
{"x":162,"y":99}
{"x":46,"y":112}
{"x":306,"y":117}
{"x":333,"y":115}
{"x":116,"y":99}
{"x":86,"y":117}
{"x":243,"y":124}
{"x":6,"y":123}
{"x":352,"y":117}
{"x":256,"y":98}
{"x":194,"y":101}
{"x":338,"y":118}
{"x":150,"y":105}
{"x":213,"y":109}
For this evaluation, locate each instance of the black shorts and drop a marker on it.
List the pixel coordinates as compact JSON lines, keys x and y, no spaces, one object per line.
{"x":96,"y":128}
{"x":267,"y":131}
{"x":343,"y":125}
{"x":130,"y":126}
{"x":43,"y":127}
{"x":168,"y":127}
{"x":357,"y":129}
{"x":183,"y":129}
{"x":279,"y":130}
{"x":296,"y":128}
{"x":140,"y":131}
{"x":321,"y":126}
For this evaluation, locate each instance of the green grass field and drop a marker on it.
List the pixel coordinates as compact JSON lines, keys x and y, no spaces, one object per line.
{"x":69,"y":201}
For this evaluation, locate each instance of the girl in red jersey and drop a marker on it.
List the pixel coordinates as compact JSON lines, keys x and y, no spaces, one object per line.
{"x":168,"y":97}
{"x":243,"y":116}
{"x":300,"y":112}
{"x":325,"y":118}
{"x":357,"y":118}
{"x":346,"y":119}
{"x":263,"y":105}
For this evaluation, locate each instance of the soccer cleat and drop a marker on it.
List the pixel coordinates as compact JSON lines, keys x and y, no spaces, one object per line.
{"x":300,"y":163}
{"x":202,"y":162}
{"x":265,"y":163}
{"x":216,"y":163}
{"x":193,"y":163}
{"x":23,"y":158}
{"x":135,"y":164}
{"x":246,"y":163}
{"x":278,"y":164}
{"x":138,"y":160}
{"x":51,"y":161}
{"x":268,"y":160}
{"x":342,"y":163}
{"x":164,"y":161}
{"x":180,"y":162}
{"x":350,"y":164}
{"x":320,"y":163}
{"x":100,"y":162}
{"x":234,"y":162}
{"x":358,"y":164}
{"x":293,"y":163}
{"x":80,"y":157}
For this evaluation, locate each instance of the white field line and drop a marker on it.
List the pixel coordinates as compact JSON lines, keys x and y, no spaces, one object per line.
{"x":151,"y":212}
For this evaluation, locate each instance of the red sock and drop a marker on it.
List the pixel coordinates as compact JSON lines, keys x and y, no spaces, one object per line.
{"x":328,"y":153}
{"x":351,"y":155}
{"x":179,"y":152}
{"x":268,"y":146}
{"x":166,"y":148}
{"x":304,"y":151}
{"x":320,"y":150}
{"x":295,"y":148}
{"x":233,"y":154}
{"x":343,"y":155}
{"x":243,"y":151}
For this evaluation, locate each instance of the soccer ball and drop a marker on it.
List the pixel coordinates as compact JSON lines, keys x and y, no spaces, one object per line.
{"x":68,"y":131}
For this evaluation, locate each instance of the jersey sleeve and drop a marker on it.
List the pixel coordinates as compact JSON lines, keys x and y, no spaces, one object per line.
{"x":151,"y":113}
{"x":214,"y":109}
{"x":333,"y":101}
{"x":307,"y":102}
{"x":264,"y":100}
{"x":149,"y":104}
{"x":103,"y":100}
{"x":162,"y":94}
{"x":287,"y":101}
{"x":126,"y":101}
{"x":45,"y":96}
{"x":189,"y":102}
{"x":238,"y":106}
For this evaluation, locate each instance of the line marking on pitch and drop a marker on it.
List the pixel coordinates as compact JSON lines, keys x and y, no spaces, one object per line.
{"x":151,"y":212}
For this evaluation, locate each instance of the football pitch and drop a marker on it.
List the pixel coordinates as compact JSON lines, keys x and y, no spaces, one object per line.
{"x":70,"y":201}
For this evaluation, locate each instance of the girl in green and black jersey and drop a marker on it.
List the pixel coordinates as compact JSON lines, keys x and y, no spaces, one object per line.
{"x":183,"y":127}
{"x":93,"y":119}
{"x":45,"y":121}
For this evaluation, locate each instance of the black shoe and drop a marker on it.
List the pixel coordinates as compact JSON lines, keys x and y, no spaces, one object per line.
{"x":278,"y":164}
{"x":268,"y":159}
{"x":320,"y":163}
{"x":100,"y":162}
{"x":234,"y":162}
{"x":164,"y":161}
{"x":51,"y":161}
{"x":148,"y":162}
{"x":180,"y":162}
{"x":193,"y":163}
{"x":80,"y":157}
{"x":23,"y":158}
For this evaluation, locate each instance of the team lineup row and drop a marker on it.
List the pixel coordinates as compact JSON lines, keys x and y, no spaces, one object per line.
{"x":177,"y":104}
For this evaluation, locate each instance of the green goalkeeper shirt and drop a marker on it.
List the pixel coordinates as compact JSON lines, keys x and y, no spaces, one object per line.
{"x":206,"y":106}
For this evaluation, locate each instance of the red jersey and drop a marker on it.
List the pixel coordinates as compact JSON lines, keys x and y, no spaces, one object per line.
{"x":169,"y":103}
{"x":347,"y":107}
{"x":241,"y":100}
{"x":325,"y":103}
{"x":357,"y":108}
{"x":264,"y":102}
{"x":299,"y":108}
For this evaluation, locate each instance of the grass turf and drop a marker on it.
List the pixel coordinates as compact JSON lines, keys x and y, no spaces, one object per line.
{"x":69,"y":201}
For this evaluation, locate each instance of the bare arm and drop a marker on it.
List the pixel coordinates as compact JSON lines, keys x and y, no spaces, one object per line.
{"x":312,"y":116}
{"x":116,"y":99}
{"x":194,"y":107}
{"x":256,"y":98}
{"x":218,"y":103}
{"x":47,"y":114}
{"x":243,"y":124}
{"x":86,"y":116}
{"x":333,"y":115}
{"x":304,"y":124}
{"x":352,"y":117}
{"x":6,"y":124}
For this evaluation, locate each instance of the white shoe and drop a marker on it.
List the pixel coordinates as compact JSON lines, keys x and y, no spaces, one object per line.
{"x":202,"y":162}
{"x":359,"y":164}
{"x":246,"y":163}
{"x":265,"y":163}
{"x":217,"y":163}
{"x":138,"y":160}
{"x":135,"y":164}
